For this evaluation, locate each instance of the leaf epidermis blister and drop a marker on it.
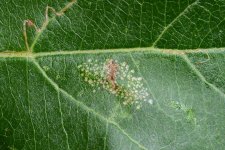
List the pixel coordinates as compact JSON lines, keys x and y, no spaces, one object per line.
{"x":118,"y":79}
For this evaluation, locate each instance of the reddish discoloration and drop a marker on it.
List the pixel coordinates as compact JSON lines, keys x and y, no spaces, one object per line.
{"x":30,"y":23}
{"x":112,"y":68}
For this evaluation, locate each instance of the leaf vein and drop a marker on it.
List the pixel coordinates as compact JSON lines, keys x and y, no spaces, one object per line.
{"x":174,"y":20}
{"x":202,"y":78}
{"x":83,"y":106}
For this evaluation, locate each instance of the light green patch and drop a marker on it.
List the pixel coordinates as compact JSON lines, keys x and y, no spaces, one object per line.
{"x":46,"y":68}
{"x":12,"y":147}
{"x":58,"y":77}
{"x":119,"y":113}
{"x":189,"y":111}
{"x":190,"y":115}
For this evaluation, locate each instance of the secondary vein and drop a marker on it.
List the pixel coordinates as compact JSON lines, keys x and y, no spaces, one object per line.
{"x":84,"y":107}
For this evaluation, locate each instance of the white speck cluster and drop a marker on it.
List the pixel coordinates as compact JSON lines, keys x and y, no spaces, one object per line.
{"x":125,"y":85}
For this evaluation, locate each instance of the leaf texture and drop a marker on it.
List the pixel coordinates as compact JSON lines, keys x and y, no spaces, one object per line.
{"x":173,"y":51}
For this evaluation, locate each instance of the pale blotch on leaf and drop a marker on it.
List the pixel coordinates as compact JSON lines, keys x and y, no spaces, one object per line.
{"x":46,"y":68}
{"x":117,"y":78}
{"x":189,"y":111}
{"x":60,"y":77}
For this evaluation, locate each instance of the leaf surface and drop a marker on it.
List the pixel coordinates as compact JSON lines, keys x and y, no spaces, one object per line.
{"x":61,"y":91}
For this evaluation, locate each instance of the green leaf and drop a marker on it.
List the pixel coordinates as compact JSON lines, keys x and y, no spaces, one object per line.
{"x":112,"y":74}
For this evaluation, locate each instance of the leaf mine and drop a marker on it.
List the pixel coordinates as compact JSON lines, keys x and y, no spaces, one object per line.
{"x":118,"y":79}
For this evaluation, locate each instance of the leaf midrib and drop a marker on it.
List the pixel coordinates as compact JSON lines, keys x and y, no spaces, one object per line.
{"x":26,"y":54}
